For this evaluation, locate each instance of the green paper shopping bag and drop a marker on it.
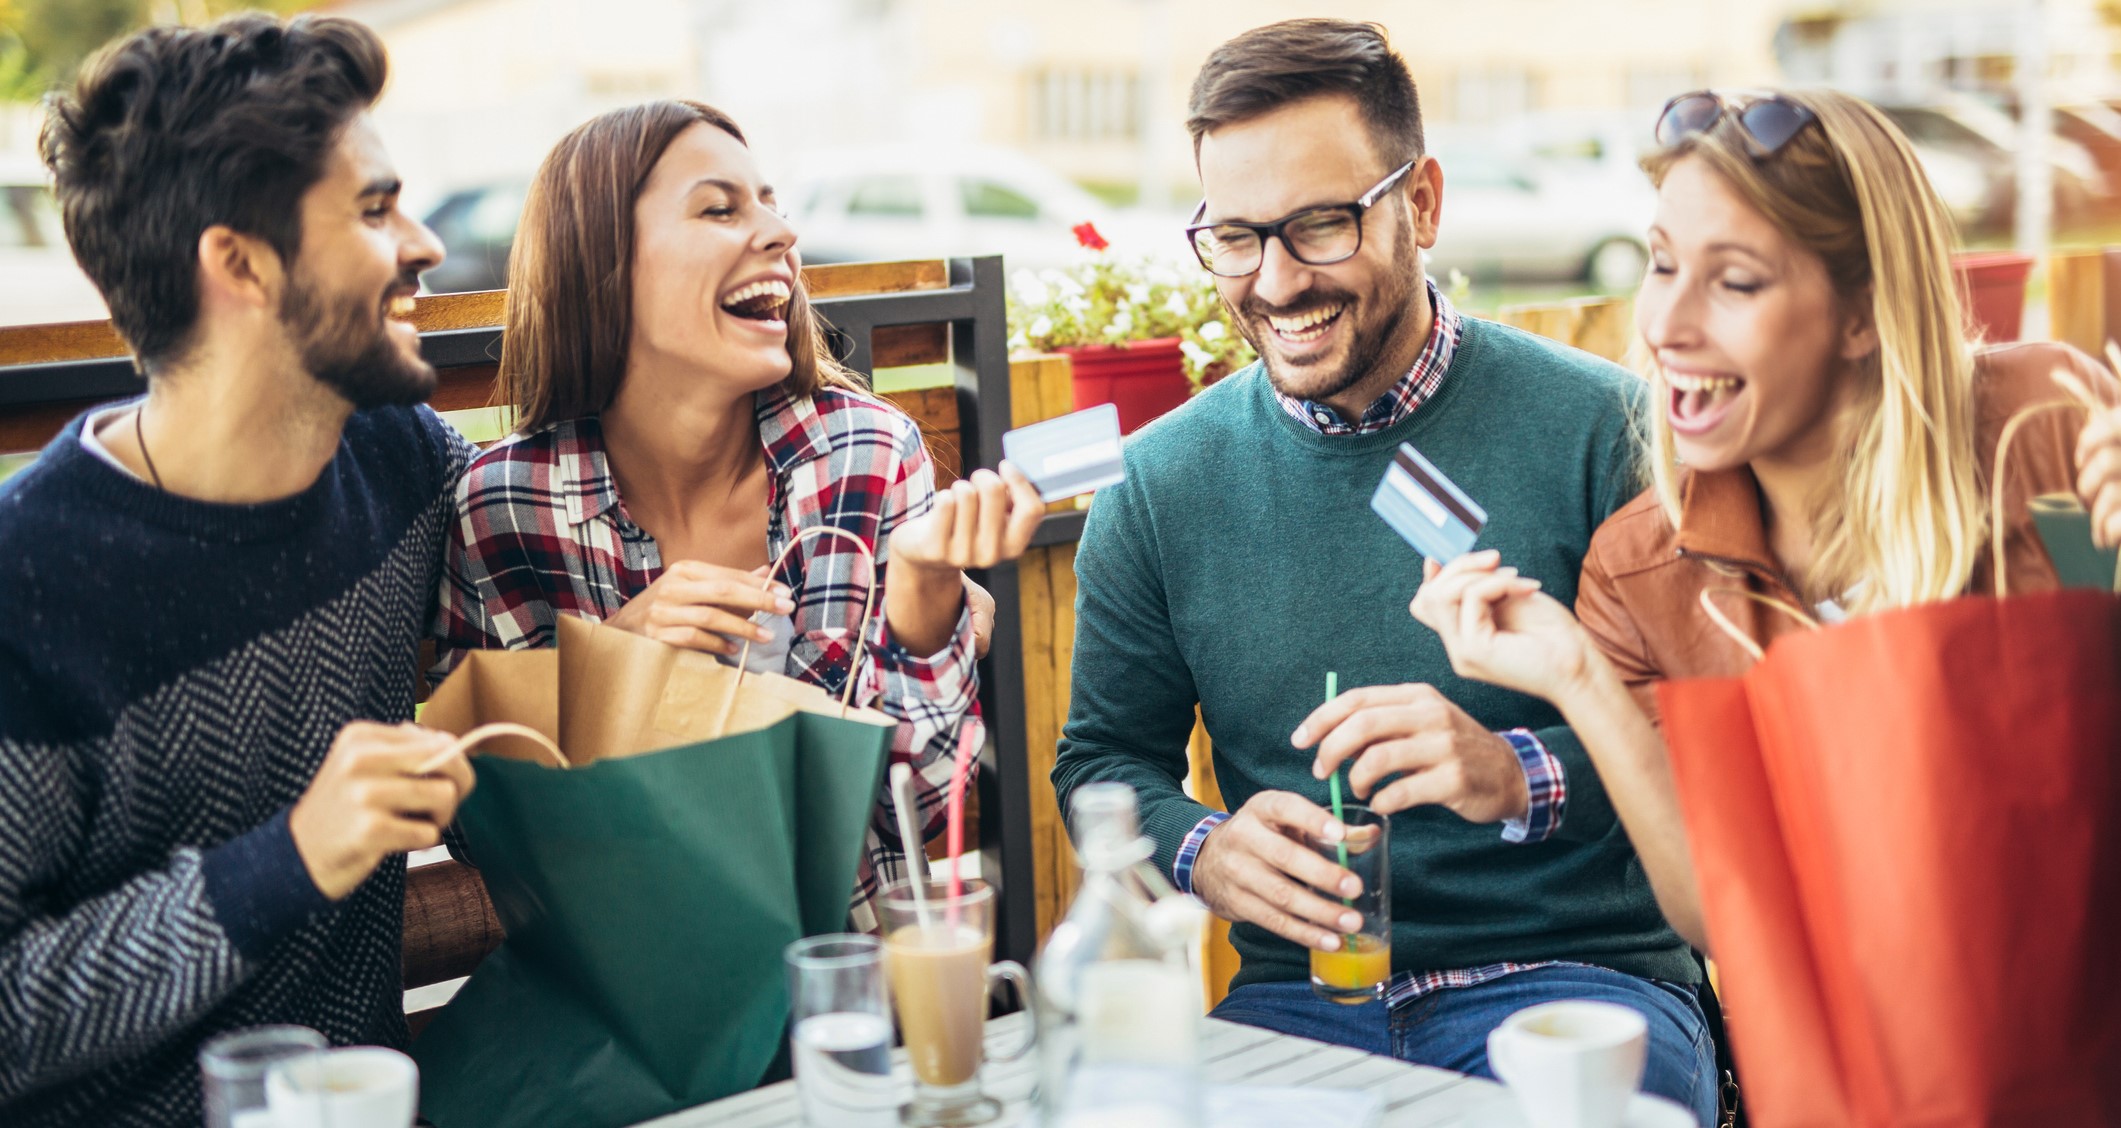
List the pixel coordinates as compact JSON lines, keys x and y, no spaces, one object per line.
{"x":707,"y":819}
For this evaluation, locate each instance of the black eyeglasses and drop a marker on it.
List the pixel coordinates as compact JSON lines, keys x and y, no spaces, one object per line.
{"x":1318,"y":236}
{"x":1769,"y":122}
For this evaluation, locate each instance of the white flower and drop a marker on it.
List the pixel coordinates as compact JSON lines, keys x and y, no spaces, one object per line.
{"x":1196,"y":356}
{"x":1177,"y":305}
{"x":1068,"y":287}
{"x":1029,"y":290}
{"x":1138,"y":293}
{"x":1123,"y":320}
{"x":1213,"y":331}
{"x":1042,"y":327}
{"x":1018,"y":342}
{"x":1076,"y":305}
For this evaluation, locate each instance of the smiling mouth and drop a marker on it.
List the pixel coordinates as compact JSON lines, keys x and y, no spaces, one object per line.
{"x":400,"y":308}
{"x":1698,"y":403}
{"x":1308,"y":326}
{"x":767,"y":300}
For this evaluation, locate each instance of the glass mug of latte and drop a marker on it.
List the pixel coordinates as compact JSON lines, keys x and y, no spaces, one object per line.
{"x":937,"y":955}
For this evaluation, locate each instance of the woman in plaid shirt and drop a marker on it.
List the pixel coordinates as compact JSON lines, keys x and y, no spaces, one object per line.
{"x":680,"y":421}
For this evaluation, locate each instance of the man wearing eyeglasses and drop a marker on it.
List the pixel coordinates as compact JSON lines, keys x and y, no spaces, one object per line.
{"x":1240,"y":562}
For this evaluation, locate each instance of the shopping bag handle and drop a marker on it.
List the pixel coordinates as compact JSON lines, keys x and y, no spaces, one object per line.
{"x":1724,"y":624}
{"x":861,"y":629}
{"x":2081,"y":398}
{"x":484,"y":733}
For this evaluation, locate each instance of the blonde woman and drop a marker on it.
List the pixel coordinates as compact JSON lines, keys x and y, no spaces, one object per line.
{"x":1819,"y":431}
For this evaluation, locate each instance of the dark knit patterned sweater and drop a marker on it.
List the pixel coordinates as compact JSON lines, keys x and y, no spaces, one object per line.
{"x":172,"y":674}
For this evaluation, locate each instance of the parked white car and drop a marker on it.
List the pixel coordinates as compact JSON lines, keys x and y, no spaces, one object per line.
{"x":1511,"y":218}
{"x":874,"y":205}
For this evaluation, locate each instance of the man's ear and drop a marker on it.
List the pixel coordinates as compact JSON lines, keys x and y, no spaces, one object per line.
{"x":238,"y":269}
{"x":1423,"y":189}
{"x":1859,"y":327}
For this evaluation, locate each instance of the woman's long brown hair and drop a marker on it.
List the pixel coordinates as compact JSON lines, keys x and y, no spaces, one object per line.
{"x":570,"y":273}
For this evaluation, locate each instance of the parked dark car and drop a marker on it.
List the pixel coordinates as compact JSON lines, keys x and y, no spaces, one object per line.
{"x":476,"y":226}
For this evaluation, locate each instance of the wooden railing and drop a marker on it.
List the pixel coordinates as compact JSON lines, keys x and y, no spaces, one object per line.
{"x":49,"y":373}
{"x":887,"y":315}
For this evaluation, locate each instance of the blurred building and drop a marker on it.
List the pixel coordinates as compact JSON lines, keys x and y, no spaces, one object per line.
{"x":1095,"y":89}
{"x":1920,"y":51}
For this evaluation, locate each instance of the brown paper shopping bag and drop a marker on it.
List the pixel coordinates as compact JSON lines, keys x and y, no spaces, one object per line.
{"x":709,"y":817}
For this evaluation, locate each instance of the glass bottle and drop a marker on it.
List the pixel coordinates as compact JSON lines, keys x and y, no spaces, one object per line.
{"x":1119,"y":983}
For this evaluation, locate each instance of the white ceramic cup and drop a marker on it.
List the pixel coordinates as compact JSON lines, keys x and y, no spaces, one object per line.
{"x":1571,"y":1064}
{"x":355,"y":1087}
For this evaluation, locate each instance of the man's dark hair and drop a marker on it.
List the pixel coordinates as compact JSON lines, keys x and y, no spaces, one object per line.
{"x":174,"y":130}
{"x":1270,"y":67}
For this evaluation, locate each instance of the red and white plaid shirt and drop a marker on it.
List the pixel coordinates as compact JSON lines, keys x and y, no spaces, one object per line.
{"x":541,"y":532}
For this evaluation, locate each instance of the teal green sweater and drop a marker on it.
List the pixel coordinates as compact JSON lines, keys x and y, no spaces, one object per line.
{"x":1240,"y":561}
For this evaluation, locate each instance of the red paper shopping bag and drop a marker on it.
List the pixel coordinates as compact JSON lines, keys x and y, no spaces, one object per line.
{"x":1907,"y":830}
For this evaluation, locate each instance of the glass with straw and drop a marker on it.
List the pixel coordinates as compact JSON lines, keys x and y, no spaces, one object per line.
{"x":1360,"y":966}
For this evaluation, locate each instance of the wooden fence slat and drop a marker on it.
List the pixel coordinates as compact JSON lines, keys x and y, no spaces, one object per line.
{"x":1603,"y":327}
{"x":2076,"y":299}
{"x":1597,"y":325}
{"x":837,"y":280}
{"x":902,"y":346}
{"x":83,"y":340}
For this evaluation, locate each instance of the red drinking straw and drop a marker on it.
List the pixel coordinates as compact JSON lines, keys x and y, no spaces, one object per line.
{"x":968,"y":741}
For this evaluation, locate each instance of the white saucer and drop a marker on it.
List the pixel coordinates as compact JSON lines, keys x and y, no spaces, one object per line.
{"x":1644,"y":1111}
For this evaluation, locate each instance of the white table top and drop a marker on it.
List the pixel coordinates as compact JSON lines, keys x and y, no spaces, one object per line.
{"x":1412,"y":1095}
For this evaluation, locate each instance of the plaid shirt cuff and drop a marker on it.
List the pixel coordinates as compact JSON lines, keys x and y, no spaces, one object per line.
{"x":943,"y":683}
{"x":1547,"y":783}
{"x":1189,"y":849}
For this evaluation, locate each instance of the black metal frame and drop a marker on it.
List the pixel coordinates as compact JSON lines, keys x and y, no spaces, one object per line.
{"x":973,"y":306}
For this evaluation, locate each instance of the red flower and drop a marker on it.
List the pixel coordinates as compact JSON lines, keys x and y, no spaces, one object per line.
{"x":1086,"y":234}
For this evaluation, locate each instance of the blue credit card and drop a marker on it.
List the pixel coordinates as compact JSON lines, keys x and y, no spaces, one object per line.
{"x":1071,"y":455}
{"x":1426,"y":508}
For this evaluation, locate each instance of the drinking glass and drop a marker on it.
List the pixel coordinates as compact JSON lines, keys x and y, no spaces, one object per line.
{"x":232,"y":1069}
{"x":1358,"y":970}
{"x":936,"y":952}
{"x":840,"y":1031}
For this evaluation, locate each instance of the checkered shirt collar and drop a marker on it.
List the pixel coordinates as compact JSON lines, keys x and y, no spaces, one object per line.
{"x":790,"y":429}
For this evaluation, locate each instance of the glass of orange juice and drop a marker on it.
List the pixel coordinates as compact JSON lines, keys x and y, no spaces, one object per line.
{"x":1358,"y":969}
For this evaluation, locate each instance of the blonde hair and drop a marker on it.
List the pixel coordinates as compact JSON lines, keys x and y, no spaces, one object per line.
{"x":1907,"y":518}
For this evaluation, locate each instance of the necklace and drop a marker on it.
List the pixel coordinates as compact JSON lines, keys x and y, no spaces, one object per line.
{"x":140,"y":433}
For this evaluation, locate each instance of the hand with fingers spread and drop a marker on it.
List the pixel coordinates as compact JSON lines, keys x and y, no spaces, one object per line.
{"x":370,"y":801}
{"x":1498,"y":627}
{"x":705,"y":607}
{"x":1441,"y":756}
{"x":1257,"y":868}
{"x":2099,"y":474}
{"x":978,"y":522}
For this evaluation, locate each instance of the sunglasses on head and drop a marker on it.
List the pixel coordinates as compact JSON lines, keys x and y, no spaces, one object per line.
{"x":1768,"y":122}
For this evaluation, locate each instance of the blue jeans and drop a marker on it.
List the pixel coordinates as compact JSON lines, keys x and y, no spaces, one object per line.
{"x":1449,"y":1028}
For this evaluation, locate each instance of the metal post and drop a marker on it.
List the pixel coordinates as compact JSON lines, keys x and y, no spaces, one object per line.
{"x":980,"y":353}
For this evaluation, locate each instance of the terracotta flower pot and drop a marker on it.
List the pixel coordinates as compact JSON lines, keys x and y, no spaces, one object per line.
{"x":1992,"y":288}
{"x":1143,"y":378}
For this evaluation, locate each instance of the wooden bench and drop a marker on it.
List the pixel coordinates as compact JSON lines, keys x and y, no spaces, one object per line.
{"x":885,"y":315}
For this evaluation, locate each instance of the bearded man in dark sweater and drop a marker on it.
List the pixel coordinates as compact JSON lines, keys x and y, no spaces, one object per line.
{"x":1240,"y":562}
{"x":215,"y":592}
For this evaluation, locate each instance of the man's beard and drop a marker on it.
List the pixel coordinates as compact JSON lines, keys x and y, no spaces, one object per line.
{"x":1385,"y":312}
{"x":347,"y":347}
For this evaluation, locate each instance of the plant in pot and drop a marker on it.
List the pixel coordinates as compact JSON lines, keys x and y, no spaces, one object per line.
{"x":1140,"y":333}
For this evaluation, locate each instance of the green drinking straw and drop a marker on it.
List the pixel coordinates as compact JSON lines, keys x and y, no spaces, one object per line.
{"x":1333,"y":691}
